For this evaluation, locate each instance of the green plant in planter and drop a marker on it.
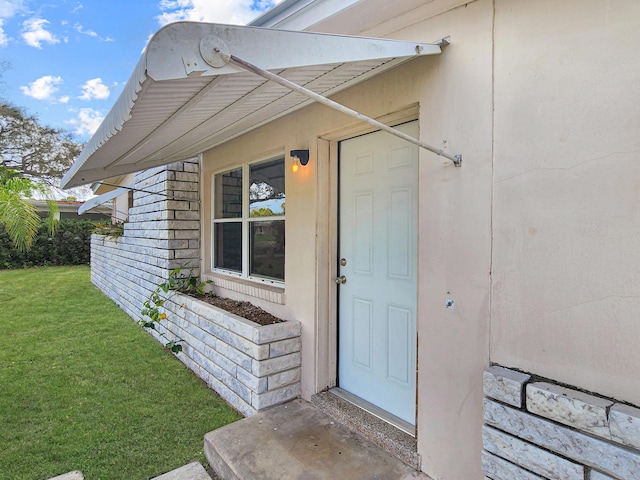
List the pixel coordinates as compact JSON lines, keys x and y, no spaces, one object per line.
{"x":110,"y":230}
{"x":176,"y":283}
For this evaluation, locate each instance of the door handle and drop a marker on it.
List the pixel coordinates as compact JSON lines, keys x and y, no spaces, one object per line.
{"x":341,"y":280}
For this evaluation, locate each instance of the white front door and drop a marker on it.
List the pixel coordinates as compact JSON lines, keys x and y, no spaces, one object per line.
{"x":378,"y":258}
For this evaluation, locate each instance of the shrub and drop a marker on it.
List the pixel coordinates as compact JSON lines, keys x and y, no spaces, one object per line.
{"x":71,"y":245}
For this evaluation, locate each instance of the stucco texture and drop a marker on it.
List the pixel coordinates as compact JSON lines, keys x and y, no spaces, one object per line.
{"x":566,"y":223}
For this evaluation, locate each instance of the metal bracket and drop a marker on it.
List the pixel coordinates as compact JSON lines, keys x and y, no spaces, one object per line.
{"x":443,"y":42}
{"x":214,"y":51}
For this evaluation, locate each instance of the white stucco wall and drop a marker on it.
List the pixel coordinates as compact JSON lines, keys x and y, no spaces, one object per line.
{"x":566,"y":221}
{"x":454,"y":238}
{"x":121,"y":203}
{"x":534,"y":237}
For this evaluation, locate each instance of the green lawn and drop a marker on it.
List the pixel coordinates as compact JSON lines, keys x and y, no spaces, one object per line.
{"x":82,"y":387}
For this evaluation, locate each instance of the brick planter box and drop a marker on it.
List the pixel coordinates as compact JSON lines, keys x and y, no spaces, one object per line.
{"x":249,"y":365}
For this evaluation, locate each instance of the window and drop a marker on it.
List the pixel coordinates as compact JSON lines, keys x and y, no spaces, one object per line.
{"x":248,"y":220}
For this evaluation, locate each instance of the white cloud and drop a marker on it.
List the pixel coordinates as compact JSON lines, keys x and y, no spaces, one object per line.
{"x":4,"y":40}
{"x":87,"y":122}
{"x":80,"y":29}
{"x":8,"y":8}
{"x":34,"y":33}
{"x":42,"y":88}
{"x":64,"y":99}
{"x":237,"y":12}
{"x":95,"y":90}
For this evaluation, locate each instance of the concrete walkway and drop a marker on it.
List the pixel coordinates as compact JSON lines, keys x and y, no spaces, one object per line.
{"x":192,"y":471}
{"x":296,"y":441}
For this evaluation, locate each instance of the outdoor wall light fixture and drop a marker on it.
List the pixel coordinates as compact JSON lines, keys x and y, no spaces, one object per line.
{"x":300,"y":157}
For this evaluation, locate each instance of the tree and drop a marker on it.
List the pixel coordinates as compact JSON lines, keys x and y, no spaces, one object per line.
{"x":32,"y":157}
{"x":37,"y":152}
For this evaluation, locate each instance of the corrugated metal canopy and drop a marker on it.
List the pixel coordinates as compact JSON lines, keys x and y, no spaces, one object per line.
{"x":177,"y":105}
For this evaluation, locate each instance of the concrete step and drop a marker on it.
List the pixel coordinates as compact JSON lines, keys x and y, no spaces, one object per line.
{"x":75,"y":475}
{"x":298,"y":441}
{"x":191,"y":471}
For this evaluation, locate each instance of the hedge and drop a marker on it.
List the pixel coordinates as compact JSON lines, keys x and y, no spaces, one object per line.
{"x":71,"y":245}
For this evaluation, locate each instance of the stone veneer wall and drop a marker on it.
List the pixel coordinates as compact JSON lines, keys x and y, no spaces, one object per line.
{"x":251,"y":367}
{"x":536,"y":429}
{"x":163,"y":232}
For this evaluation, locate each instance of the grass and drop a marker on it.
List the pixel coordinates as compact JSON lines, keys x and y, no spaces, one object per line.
{"x":82,"y":387}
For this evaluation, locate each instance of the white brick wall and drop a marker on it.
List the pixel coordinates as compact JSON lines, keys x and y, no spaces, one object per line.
{"x":244,"y":362}
{"x":555,"y":432}
{"x":251,"y":367}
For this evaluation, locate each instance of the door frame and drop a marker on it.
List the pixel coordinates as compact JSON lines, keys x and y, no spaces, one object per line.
{"x":326,"y":345}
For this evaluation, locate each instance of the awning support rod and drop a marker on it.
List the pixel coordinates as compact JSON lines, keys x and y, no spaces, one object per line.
{"x":456,"y":159}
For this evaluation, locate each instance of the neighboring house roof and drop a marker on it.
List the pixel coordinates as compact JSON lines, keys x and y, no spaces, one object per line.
{"x":184,"y":98}
{"x":70,"y":207}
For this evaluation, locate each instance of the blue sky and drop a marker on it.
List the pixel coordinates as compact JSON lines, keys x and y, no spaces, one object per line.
{"x":66,"y":61}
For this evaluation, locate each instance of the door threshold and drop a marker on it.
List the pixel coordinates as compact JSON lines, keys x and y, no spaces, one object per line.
{"x":383,"y":415}
{"x":396,"y":442}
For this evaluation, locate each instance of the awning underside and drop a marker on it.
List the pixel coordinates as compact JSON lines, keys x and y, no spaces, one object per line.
{"x":157,"y":122}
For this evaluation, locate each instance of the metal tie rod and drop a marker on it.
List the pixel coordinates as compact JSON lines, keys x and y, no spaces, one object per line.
{"x":456,"y":159}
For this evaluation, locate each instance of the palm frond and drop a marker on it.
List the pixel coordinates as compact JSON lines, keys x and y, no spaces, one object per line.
{"x":52,"y":218}
{"x":19,"y":218}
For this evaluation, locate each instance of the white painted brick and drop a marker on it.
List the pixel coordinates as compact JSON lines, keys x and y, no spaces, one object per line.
{"x":277,"y":331}
{"x":187,"y":177}
{"x":129,"y":269}
{"x":606,"y":457}
{"x":187,"y":234}
{"x":284,"y":347}
{"x":229,"y":395}
{"x":180,"y":195}
{"x":595,"y":475}
{"x":258,"y":352}
{"x":498,"y":469}
{"x":529,"y":456}
{"x":187,"y":215}
{"x":274,"y":397}
{"x":505,"y":385}
{"x":625,"y":425}
{"x":236,"y":386}
{"x":258,"y":385}
{"x":177,"y":205}
{"x":177,"y":186}
{"x":284,"y":378}
{"x":191,"y":167}
{"x":570,"y":407}
{"x":187,"y":253}
{"x":275,"y":365}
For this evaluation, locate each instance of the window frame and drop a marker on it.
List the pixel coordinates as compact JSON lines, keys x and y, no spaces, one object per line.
{"x":245,"y":220}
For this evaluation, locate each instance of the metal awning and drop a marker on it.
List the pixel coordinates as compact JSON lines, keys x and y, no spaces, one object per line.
{"x":101,"y":199}
{"x":199,"y":85}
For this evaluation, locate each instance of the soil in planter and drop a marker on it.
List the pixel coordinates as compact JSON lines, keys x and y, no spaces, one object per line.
{"x":243,"y":309}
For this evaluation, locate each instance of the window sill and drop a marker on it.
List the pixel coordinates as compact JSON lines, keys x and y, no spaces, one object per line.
{"x":270,"y":293}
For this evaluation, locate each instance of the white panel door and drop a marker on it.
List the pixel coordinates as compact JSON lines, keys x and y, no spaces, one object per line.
{"x":378,"y":257}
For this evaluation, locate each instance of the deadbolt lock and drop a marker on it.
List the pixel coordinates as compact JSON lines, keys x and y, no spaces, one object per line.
{"x":343,"y":262}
